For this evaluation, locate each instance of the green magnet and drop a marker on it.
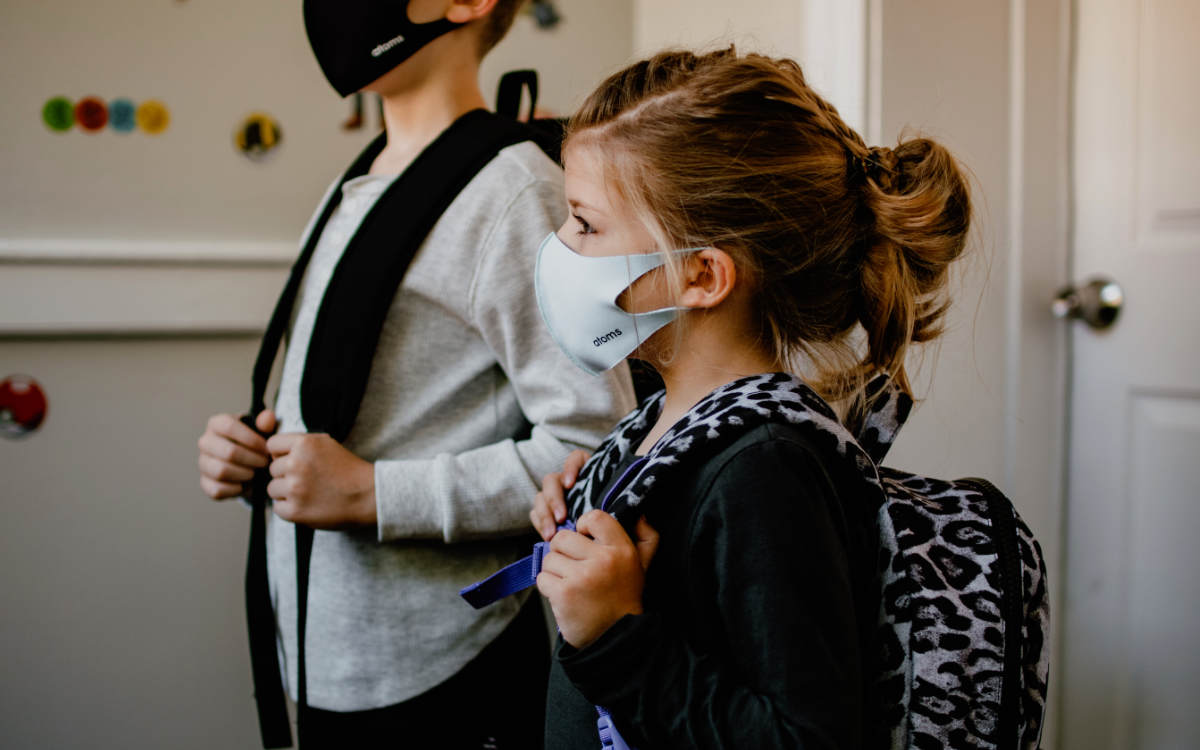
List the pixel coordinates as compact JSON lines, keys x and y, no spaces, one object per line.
{"x":59,"y":114}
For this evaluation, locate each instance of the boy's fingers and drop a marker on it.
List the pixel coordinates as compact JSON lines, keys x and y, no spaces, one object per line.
{"x":265,"y":421}
{"x":231,"y":428}
{"x":225,"y":450}
{"x":224,"y":472}
{"x":281,"y":445}
{"x":219,"y":490}
{"x":280,"y":466}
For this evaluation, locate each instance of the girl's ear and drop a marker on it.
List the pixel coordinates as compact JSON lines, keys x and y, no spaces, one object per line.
{"x":465,"y":11}
{"x":709,"y":276}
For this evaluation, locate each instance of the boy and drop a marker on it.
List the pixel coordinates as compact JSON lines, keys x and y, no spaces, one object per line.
{"x":467,"y":400}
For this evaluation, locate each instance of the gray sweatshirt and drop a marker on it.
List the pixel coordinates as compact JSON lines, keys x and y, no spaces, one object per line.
{"x":463,"y":360}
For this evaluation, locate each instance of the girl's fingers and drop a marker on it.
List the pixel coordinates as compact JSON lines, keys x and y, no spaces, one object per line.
{"x":552,"y":493}
{"x":575,"y":461}
{"x":646,"y":540}
{"x":549,"y":585}
{"x":602,"y":527}
{"x":558,"y":506}
{"x":539,"y":516}
{"x":571,"y":544}
{"x":559,"y":565}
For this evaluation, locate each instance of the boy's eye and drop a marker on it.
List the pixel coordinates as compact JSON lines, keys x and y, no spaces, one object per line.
{"x":584,"y":227}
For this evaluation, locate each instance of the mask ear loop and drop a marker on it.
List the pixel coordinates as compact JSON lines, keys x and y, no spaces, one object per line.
{"x":629,"y":273}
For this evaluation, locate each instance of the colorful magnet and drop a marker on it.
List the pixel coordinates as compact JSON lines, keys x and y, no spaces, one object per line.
{"x":58,"y":114}
{"x":121,"y":115}
{"x":153,"y":117}
{"x":91,"y":114}
{"x":22,"y":406}
{"x":257,"y":136}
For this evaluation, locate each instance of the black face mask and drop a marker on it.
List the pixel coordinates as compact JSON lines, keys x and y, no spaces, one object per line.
{"x":357,"y":41}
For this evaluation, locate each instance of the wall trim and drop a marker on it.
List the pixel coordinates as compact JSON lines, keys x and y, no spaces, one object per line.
{"x":68,"y":250}
{"x":835,"y":48}
{"x":873,"y":59}
{"x":98,"y":295}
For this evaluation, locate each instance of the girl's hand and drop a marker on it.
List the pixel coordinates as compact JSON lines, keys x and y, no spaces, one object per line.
{"x":550,"y":505}
{"x":594,"y":576}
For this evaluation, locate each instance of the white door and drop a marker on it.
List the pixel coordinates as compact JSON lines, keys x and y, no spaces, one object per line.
{"x":1131,"y":625}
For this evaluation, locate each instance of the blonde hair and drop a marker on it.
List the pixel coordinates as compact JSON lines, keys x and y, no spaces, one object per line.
{"x":837,"y":238}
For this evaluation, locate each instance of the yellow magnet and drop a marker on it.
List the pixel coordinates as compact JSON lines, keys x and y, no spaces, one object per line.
{"x":153,"y":117}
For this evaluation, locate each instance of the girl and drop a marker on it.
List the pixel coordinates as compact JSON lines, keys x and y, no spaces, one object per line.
{"x":717,"y":587}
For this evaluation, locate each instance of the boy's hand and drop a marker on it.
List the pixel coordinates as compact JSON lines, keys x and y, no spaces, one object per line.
{"x":317,"y":482}
{"x":594,"y":576}
{"x":230,"y":452}
{"x":550,"y":505}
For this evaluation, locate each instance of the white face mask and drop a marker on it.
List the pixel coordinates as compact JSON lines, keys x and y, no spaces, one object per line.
{"x":577,"y":295}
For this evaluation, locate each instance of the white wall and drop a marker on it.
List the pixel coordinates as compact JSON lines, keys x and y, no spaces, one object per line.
{"x":828,"y":38}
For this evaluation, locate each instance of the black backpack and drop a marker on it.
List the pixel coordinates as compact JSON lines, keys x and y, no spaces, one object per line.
{"x":346,"y":333}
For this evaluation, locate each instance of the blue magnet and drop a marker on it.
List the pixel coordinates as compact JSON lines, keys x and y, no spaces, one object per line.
{"x":121,"y":115}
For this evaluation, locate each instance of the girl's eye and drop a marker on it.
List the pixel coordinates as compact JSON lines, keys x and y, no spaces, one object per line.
{"x":584,"y":227}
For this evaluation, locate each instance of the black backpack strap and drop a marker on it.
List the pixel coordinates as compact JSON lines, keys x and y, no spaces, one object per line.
{"x":359,"y":294}
{"x":546,"y":132}
{"x":1008,"y":561}
{"x":508,"y":93}
{"x":260,"y":615}
{"x":341,"y":349}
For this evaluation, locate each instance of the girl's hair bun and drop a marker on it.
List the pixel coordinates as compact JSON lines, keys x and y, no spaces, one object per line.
{"x":922,"y":211}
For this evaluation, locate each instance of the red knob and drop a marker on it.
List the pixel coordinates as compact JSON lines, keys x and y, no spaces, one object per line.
{"x":22,"y":405}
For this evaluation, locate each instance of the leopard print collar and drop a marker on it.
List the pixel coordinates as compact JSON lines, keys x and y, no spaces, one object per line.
{"x":717,"y":421}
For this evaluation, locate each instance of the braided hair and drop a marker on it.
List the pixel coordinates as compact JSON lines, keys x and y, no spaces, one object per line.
{"x":847,"y":246}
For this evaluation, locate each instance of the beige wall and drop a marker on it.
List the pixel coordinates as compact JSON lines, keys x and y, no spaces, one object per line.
{"x":121,"y":620}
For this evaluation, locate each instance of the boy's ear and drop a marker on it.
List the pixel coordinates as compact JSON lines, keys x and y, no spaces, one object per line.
{"x":708,"y":278}
{"x":465,"y":11}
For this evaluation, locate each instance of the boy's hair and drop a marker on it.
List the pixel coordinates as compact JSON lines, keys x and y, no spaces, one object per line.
{"x":497,"y":23}
{"x":841,"y":242}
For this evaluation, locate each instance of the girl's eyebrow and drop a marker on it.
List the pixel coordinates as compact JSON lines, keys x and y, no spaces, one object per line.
{"x":580,"y":204}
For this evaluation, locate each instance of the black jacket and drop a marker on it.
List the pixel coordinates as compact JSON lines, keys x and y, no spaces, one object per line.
{"x":759,"y":614}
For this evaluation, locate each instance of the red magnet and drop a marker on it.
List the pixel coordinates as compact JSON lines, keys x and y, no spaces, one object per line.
{"x":22,"y":406}
{"x":91,"y":113}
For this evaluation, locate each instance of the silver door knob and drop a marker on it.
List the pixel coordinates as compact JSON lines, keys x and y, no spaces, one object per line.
{"x":1097,"y":303}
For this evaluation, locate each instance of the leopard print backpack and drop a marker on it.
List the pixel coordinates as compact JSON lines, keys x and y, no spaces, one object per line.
{"x":964,"y":618}
{"x":964,"y":613}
